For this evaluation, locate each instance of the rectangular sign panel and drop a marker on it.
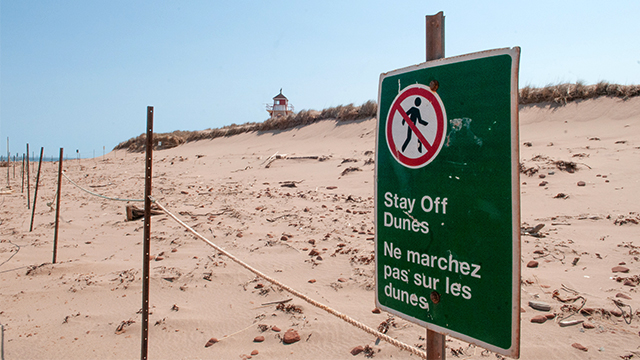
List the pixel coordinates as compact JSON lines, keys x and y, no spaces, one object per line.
{"x":448,"y":197}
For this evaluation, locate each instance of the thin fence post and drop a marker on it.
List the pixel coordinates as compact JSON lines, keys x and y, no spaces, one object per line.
{"x":8,"y":164}
{"x":436,"y":342}
{"x":1,"y":341}
{"x":55,"y":234}
{"x":22,"y":176}
{"x":35,"y":192}
{"x":28,"y":185}
{"x":147,"y":235}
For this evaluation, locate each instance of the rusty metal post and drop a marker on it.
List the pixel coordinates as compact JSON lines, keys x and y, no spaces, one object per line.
{"x":35,"y":192}
{"x":436,"y":342}
{"x":436,"y":345}
{"x":55,"y":234}
{"x":435,"y":36}
{"x":22,"y":188}
{"x":28,"y":186}
{"x":147,"y":235}
{"x":8,"y":164}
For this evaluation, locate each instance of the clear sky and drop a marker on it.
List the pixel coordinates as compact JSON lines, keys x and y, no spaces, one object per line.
{"x":80,"y":74}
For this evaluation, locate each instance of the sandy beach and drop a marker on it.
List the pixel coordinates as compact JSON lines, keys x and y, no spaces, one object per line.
{"x":298,"y":205}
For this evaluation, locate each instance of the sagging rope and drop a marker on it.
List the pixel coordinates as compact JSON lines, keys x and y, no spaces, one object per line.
{"x":292,"y":291}
{"x":98,"y":195}
{"x":302,"y":296}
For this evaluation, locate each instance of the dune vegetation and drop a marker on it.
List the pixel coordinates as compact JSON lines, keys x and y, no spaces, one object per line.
{"x":559,"y":94}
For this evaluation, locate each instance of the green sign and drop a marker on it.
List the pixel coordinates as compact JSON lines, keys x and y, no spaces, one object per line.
{"x":447,"y":197}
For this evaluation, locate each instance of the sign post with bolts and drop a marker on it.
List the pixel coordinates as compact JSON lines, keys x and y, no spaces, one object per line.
{"x":436,"y":342}
{"x":447,"y":199}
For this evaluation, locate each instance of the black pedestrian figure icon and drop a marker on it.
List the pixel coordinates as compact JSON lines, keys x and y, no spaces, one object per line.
{"x":416,"y":118}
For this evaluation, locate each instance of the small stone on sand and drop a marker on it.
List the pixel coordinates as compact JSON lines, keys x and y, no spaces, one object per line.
{"x":616,"y":312}
{"x":579,"y":347}
{"x":254,"y":353}
{"x":532,"y":264}
{"x":539,"y":319}
{"x":588,"y":325}
{"x":211,"y":342}
{"x":290,"y":337}
{"x":357,"y":350}
{"x":258,"y":338}
{"x":539,"y":305}
{"x":621,"y":269}
{"x":623,"y":296}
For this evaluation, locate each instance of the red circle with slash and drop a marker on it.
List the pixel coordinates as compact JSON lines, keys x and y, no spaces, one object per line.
{"x":435,"y":108}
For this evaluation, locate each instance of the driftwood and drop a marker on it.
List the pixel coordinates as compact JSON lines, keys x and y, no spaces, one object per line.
{"x":276,"y":156}
{"x":135,"y":213}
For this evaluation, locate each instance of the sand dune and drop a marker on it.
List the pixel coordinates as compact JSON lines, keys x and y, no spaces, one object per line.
{"x":306,"y":218}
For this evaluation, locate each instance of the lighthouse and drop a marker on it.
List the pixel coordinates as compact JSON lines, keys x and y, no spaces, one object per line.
{"x":280,"y":106}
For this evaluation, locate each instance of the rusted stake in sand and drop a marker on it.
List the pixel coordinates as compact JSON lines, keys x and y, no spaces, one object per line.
{"x":436,"y":342}
{"x":55,"y":234}
{"x":1,"y":341}
{"x":147,"y":235}
{"x":35,"y":192}
{"x":8,"y":163}
{"x":28,"y":191}
{"x":22,"y":188}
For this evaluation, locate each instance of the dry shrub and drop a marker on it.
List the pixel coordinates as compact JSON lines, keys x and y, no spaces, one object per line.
{"x":565,"y":93}
{"x":368,"y":110}
{"x":160,"y":142}
{"x":347,"y":112}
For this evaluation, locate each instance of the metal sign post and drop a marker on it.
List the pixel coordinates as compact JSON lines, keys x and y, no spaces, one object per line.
{"x":447,"y":198}
{"x":436,"y":342}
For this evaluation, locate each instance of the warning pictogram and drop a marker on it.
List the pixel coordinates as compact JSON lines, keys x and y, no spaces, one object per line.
{"x":416,"y":126}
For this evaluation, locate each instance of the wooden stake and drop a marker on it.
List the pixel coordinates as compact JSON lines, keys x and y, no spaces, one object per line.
{"x":147,"y":235}
{"x":55,"y":234}
{"x":35,"y":192}
{"x":436,"y":342}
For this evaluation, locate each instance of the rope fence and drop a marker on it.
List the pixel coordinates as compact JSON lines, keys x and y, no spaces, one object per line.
{"x":98,"y":195}
{"x":296,"y":293}
{"x":359,"y":325}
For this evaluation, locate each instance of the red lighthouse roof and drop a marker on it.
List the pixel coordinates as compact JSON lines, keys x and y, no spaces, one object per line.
{"x":280,"y":96}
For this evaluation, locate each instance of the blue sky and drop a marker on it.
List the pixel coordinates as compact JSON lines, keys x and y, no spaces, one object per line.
{"x":80,"y":74}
